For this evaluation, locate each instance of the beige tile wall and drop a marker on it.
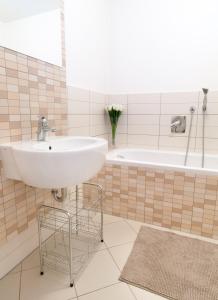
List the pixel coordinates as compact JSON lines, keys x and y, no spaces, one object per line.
{"x":28,"y":88}
{"x":146,"y":120}
{"x":177,"y":200}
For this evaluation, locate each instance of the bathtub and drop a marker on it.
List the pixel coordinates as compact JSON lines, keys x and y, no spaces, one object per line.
{"x":166,"y":160}
{"x":156,"y":188}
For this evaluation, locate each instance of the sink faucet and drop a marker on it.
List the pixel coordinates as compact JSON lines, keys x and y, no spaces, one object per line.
{"x":43,"y":129}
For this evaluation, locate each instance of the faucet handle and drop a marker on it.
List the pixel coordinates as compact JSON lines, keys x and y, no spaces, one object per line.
{"x":53,"y":130}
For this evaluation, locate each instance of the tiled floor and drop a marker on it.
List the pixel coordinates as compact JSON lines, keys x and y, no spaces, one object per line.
{"x":99,"y":281}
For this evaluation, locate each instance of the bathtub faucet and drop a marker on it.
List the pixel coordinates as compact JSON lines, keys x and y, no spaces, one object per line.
{"x":175,"y":124}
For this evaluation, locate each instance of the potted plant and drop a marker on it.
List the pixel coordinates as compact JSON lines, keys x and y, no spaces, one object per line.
{"x":114,"y":111}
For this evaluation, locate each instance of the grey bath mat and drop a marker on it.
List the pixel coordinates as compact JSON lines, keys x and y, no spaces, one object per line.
{"x":173,"y":266}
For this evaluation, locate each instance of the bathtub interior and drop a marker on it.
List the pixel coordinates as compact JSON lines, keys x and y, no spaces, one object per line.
{"x":168,"y":158}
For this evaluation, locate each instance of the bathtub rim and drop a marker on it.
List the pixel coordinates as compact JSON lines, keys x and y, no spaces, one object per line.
{"x":110,"y":159}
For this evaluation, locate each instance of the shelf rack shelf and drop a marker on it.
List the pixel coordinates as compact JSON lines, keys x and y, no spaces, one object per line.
{"x":70,"y":232}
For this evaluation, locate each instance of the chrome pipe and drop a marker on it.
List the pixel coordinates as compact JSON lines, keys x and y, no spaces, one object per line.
{"x":204,"y":110}
{"x":192,"y":111}
{"x":59,"y":197}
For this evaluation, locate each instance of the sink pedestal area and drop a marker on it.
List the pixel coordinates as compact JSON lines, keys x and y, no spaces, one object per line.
{"x":57,"y":163}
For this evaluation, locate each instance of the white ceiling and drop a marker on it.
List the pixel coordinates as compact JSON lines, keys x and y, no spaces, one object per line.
{"x":11,"y":10}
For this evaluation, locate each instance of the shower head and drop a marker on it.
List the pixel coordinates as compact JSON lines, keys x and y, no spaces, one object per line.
{"x":204,"y":107}
{"x":205,"y":91}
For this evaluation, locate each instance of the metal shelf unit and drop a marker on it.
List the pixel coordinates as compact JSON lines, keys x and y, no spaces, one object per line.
{"x":70,"y":232}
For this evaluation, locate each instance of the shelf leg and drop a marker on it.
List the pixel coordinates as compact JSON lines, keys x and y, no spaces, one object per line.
{"x":70,"y":251}
{"x":101,"y":208}
{"x":40,"y":245}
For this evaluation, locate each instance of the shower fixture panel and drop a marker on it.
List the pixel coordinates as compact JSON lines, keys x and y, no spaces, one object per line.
{"x":178,"y":124}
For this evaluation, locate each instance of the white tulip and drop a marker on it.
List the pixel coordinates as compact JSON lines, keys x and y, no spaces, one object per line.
{"x":117,"y":107}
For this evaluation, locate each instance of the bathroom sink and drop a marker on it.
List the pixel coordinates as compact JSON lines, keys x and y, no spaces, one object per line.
{"x":57,"y":163}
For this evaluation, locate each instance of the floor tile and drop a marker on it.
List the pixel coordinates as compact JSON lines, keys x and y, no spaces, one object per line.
{"x":100,"y":272}
{"x":101,"y":246}
{"x":118,"y":233}
{"x":31,"y":261}
{"x":50,"y":286}
{"x":115,"y":292}
{"x":135,"y":225}
{"x":121,"y":254}
{"x":16,"y":269}
{"x":108,"y":219}
{"x":144,"y":295}
{"x":10,"y":286}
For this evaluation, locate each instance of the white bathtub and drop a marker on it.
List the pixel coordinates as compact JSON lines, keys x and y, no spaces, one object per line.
{"x":164,"y":160}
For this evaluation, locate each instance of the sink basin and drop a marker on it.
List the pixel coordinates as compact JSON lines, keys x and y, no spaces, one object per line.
{"x":56,"y":163}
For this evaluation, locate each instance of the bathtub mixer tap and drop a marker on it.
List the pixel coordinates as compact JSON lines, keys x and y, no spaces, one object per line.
{"x":43,"y":129}
{"x":178,"y":124}
{"x":175,"y":124}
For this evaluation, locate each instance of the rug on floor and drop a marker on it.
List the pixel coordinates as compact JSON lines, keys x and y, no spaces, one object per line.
{"x":173,"y":266}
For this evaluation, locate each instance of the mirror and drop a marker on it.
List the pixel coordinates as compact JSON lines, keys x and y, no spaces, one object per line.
{"x":32,"y":28}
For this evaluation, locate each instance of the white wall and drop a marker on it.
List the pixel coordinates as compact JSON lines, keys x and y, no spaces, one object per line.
{"x":2,"y":31}
{"x":168,"y":45}
{"x":86,"y":39}
{"x":133,"y":46}
{"x":38,"y":36}
{"x":11,"y":10}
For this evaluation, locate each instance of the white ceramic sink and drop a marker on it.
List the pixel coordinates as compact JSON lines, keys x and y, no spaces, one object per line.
{"x":57,"y":163}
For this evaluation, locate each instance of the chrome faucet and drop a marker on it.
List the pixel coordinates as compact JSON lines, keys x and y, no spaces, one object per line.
{"x":175,"y":124}
{"x":43,"y":129}
{"x":178,"y":124}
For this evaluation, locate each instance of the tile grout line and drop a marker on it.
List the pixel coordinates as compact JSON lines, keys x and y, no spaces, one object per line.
{"x":108,"y":251}
{"x":120,"y":273}
{"x":126,"y":243}
{"x":132,"y":226}
{"x":105,"y":287}
{"x":159,"y":120}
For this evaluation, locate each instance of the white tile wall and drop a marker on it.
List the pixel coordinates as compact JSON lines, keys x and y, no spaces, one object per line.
{"x":144,"y":98}
{"x":143,"y":119}
{"x":86,"y":113}
{"x":142,"y":140}
{"x":143,"y":108}
{"x":144,"y":129}
{"x":181,"y":98}
{"x":146,"y":119}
